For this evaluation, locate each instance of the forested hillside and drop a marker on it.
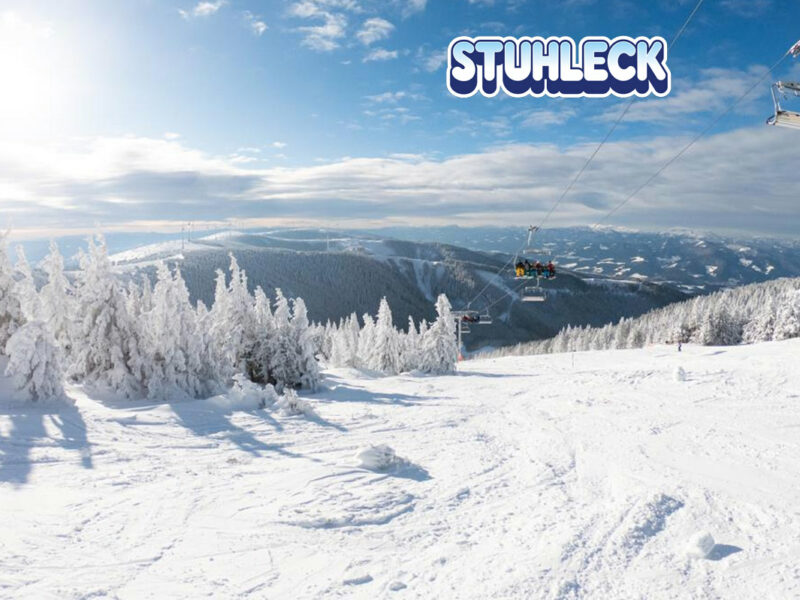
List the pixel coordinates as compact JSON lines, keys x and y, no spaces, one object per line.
{"x":340,"y":275}
{"x":752,"y":313}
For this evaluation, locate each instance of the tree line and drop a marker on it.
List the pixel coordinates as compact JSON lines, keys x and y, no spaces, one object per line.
{"x":146,"y":339}
{"x":752,"y":313}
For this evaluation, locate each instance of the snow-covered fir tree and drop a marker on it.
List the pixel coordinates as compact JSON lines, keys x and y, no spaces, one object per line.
{"x":235,"y":321}
{"x":11,"y":317}
{"x":439,"y":346}
{"x":264,"y":338}
{"x":304,"y":347}
{"x":106,"y":339}
{"x":34,"y":362}
{"x":174,"y":361}
{"x":366,"y":339}
{"x":788,"y":317}
{"x":385,"y":348}
{"x":410,"y":351}
{"x":57,"y":299}
{"x":26,"y":288}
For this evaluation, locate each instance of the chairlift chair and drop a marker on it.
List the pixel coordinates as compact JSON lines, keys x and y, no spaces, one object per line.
{"x":784,"y":118}
{"x":533,"y":294}
{"x":472,"y":317}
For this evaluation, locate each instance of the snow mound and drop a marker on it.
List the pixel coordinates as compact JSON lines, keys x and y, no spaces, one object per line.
{"x":700,"y":545}
{"x":680,"y":374}
{"x":244,"y":395}
{"x":380,"y":458}
{"x":291,"y":404}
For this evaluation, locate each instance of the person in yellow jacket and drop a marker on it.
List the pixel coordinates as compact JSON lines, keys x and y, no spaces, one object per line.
{"x":520,"y":269}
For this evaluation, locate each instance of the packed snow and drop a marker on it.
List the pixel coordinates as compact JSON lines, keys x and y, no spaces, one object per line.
{"x":587,"y":475}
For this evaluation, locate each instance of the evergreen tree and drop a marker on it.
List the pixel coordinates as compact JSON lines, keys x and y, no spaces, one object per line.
{"x":385,"y":355}
{"x":11,"y":317}
{"x":283,"y":368}
{"x":788,"y":317}
{"x":264,"y":335}
{"x":366,"y":340}
{"x":175,"y":363}
{"x":34,"y":363}
{"x":410,"y":347}
{"x":302,"y":334}
{"x":57,"y":299}
{"x":26,"y":288}
{"x":439,"y":346}
{"x":106,"y":339}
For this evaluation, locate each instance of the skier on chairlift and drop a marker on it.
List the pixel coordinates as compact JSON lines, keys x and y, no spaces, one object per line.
{"x":528,"y":268}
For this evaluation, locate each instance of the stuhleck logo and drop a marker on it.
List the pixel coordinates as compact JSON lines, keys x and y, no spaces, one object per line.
{"x":557,"y":67}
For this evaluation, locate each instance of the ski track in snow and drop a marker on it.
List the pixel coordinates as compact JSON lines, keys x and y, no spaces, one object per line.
{"x":523,"y":477}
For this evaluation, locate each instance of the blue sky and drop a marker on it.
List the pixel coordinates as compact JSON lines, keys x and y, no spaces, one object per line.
{"x":141,"y":114}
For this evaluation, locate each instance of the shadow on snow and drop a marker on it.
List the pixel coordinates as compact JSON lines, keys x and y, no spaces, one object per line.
{"x":205,"y":420}
{"x":29,"y":429}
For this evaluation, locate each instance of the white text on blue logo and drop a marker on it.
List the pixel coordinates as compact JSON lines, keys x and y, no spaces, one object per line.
{"x":554,"y":66}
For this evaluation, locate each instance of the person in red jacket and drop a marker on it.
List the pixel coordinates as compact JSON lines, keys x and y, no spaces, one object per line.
{"x":551,"y":269}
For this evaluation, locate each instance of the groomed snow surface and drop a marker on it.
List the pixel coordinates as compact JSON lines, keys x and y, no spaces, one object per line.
{"x":598,"y":475}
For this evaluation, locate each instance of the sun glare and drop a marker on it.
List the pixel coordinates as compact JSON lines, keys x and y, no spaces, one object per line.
{"x":31,"y":75}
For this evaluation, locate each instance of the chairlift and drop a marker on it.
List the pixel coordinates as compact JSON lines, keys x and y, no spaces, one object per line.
{"x":534,"y":294}
{"x":529,"y":247}
{"x":784,"y":118}
{"x":531,"y":251}
{"x":472,"y":317}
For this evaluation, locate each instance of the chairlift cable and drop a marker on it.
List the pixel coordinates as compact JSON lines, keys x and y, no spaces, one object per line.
{"x":673,"y":159}
{"x":616,"y":123}
{"x":578,"y":175}
{"x":691,"y":143}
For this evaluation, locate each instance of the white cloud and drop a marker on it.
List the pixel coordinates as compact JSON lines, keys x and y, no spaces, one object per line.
{"x":386,"y":114}
{"x":431,"y":60}
{"x":379,"y":54}
{"x":279,"y":145}
{"x":713,"y":91}
{"x":393,"y":97}
{"x":373,"y":30}
{"x":255,"y":23}
{"x":410,"y":7}
{"x":203,"y":9}
{"x":325,"y":36}
{"x":748,"y":8}
{"x":535,"y":119}
{"x":742,"y":179}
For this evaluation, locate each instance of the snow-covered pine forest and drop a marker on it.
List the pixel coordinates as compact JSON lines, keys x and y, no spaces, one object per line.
{"x":758,"y":312}
{"x":148,"y":340}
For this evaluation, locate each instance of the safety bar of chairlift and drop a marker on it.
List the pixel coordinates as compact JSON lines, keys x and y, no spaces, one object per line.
{"x":785,"y":118}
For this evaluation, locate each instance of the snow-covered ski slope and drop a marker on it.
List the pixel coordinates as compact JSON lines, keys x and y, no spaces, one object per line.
{"x":528,"y":477}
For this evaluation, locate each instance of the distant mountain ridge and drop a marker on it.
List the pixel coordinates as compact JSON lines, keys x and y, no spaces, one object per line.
{"x":339,"y":273}
{"x":695,"y":261}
